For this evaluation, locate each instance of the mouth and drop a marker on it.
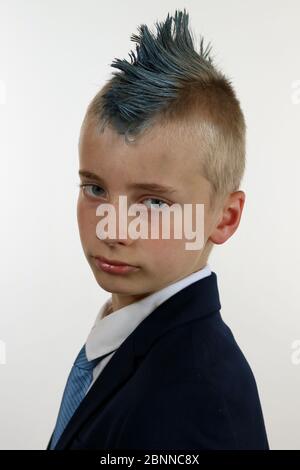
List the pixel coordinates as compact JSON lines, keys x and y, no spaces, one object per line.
{"x":114,"y":266}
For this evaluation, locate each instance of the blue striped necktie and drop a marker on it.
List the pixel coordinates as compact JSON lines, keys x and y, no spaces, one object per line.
{"x":78,"y":382}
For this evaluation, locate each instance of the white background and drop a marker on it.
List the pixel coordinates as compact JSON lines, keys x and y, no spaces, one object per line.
{"x":55,"y":55}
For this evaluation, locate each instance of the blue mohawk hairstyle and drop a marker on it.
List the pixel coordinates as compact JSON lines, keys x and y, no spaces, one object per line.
{"x":164,"y":65}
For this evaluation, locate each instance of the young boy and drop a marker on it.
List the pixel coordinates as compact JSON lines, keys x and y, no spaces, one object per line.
{"x":160,"y":369}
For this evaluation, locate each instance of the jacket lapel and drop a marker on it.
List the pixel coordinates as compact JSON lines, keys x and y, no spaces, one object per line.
{"x":191,"y":303}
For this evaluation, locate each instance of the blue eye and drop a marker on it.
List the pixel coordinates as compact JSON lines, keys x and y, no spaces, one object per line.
{"x":92,"y":194}
{"x":156,"y":205}
{"x":86,"y":186}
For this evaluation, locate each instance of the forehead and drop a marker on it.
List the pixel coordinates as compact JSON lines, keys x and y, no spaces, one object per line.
{"x":164,"y":155}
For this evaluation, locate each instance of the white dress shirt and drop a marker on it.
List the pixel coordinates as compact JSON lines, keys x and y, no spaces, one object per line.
{"x":109,"y":331}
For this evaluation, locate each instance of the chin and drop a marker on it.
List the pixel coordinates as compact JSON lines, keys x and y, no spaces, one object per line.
{"x":113,"y":283}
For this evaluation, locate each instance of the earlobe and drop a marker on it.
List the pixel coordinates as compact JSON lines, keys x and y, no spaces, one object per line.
{"x":229,"y":219}
{"x":219,"y":236}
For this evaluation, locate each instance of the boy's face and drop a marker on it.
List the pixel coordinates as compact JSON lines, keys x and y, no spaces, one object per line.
{"x":151,"y":159}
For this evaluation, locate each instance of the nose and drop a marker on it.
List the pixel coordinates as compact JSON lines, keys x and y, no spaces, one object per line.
{"x":112,"y":228}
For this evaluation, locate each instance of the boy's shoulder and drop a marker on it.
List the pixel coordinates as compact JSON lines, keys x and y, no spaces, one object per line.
{"x":204,"y":348}
{"x":200,"y":393}
{"x":187,"y":337}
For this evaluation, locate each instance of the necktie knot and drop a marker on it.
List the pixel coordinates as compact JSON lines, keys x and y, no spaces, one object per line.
{"x":82,"y":361}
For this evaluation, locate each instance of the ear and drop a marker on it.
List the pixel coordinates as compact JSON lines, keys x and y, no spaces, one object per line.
{"x":229,"y":219}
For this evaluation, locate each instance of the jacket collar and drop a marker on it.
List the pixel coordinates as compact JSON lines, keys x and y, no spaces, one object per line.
{"x":109,"y":331}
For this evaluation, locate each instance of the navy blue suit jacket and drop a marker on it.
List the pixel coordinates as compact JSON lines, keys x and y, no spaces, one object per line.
{"x":179,"y":381}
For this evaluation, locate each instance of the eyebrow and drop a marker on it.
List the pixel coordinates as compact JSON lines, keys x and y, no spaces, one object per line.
{"x":149,"y":186}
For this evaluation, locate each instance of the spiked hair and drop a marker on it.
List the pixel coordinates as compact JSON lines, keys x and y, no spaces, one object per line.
{"x":169,"y":82}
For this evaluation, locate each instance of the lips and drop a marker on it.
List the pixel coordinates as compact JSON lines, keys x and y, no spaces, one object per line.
{"x":112,"y":262}
{"x":114,"y":266}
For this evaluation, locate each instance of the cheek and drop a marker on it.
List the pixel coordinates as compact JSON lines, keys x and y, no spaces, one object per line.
{"x":164,"y":253}
{"x":81,"y":214}
{"x":86,"y":219}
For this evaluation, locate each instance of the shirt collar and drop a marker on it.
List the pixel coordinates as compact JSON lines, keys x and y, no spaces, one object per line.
{"x":110,"y":331}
